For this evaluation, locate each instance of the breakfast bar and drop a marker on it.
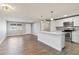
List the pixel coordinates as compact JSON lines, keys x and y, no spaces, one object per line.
{"x":54,"y":39}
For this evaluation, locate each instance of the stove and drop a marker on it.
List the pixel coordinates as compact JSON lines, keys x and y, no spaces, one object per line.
{"x":68,"y":27}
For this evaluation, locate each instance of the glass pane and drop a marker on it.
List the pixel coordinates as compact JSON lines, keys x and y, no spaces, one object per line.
{"x":19,"y":24}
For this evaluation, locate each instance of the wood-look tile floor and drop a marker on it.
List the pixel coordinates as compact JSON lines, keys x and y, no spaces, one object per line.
{"x":29,"y":45}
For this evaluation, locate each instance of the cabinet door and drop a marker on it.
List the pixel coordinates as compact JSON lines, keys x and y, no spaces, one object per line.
{"x":75,"y":37}
{"x":59,"y":23}
{"x":76,"y":21}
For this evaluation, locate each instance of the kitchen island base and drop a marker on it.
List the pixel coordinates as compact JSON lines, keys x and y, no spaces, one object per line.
{"x":53,"y":39}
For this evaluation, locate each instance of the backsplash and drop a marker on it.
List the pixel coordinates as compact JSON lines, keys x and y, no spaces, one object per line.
{"x":59,"y":28}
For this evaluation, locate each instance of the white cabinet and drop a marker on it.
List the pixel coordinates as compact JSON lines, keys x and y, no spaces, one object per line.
{"x":75,"y":36}
{"x":53,"y":39}
{"x":74,"y":19}
{"x":59,"y":23}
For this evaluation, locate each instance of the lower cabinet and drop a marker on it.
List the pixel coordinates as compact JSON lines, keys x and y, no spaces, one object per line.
{"x":75,"y":36}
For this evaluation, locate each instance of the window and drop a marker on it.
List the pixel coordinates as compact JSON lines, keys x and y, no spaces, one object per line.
{"x":19,"y":24}
{"x":13,"y":24}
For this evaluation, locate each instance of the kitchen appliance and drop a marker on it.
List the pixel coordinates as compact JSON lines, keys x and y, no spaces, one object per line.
{"x":68,"y":27}
{"x":68,"y":36}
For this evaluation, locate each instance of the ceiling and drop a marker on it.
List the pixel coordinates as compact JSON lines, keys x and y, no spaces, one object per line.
{"x":33,"y":11}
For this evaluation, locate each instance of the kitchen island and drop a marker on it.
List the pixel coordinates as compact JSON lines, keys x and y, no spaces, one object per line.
{"x":53,"y":39}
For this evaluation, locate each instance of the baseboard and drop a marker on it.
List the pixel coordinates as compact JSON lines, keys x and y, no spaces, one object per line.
{"x":75,"y":42}
{"x":16,"y":35}
{"x":20,"y":34}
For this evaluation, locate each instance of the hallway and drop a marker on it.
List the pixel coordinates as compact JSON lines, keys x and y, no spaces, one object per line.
{"x":28,"y":45}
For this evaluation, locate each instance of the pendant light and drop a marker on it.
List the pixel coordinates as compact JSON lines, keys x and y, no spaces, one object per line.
{"x":51,"y":15}
{"x":44,"y":20}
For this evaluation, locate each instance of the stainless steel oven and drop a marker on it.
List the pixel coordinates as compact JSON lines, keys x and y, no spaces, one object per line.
{"x":68,"y":27}
{"x":68,"y":36}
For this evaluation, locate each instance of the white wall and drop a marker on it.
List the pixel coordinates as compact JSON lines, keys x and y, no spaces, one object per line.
{"x":36,"y":28}
{"x":53,"y":26}
{"x":45,"y":25}
{"x":2,"y":30}
{"x":28,"y":29}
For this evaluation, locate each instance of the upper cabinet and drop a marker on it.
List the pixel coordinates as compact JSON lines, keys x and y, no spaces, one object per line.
{"x":59,"y":23}
{"x":76,"y":21}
